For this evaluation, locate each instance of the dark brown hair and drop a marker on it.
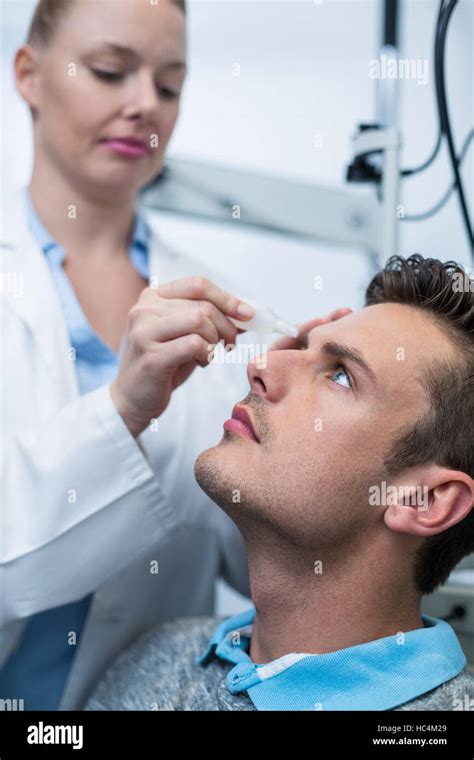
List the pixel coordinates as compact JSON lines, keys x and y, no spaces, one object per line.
{"x":444,"y":291}
{"x":48,"y":14}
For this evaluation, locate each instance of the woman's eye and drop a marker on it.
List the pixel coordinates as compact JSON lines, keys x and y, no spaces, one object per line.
{"x":168,"y":94}
{"x":108,"y":76}
{"x":344,"y":375}
{"x":116,"y":76}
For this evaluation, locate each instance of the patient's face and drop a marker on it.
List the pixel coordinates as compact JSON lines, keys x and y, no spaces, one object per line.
{"x":325,"y":425}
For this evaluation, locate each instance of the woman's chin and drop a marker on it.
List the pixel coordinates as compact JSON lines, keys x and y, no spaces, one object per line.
{"x":117,"y":183}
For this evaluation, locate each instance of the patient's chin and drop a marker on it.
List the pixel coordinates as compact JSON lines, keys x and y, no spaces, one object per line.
{"x":212,"y":478}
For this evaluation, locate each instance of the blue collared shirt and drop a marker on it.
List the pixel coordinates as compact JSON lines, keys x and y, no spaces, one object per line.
{"x":378,"y":675}
{"x":38,"y":669}
{"x":96,"y":363}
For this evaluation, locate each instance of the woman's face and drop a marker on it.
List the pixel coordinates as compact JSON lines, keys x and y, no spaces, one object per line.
{"x":85,"y":92}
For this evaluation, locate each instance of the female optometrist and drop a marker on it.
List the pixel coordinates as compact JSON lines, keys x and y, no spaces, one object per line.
{"x":104,"y":531}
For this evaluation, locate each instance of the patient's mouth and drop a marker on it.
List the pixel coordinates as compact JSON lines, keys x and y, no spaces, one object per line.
{"x":241,"y":423}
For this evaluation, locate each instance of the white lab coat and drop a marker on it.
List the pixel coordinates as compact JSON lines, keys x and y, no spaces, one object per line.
{"x":86,"y":508}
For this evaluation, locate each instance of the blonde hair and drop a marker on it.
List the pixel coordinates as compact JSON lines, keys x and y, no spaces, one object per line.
{"x":48,"y":14}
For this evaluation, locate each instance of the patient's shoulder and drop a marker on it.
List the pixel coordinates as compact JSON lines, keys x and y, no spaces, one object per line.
{"x":455,"y":694}
{"x":151,"y":672}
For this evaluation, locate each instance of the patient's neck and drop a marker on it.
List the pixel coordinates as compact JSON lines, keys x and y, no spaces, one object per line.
{"x":355,"y":599}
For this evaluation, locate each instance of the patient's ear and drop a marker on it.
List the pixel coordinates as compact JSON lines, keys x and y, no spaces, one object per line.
{"x":444,"y":497}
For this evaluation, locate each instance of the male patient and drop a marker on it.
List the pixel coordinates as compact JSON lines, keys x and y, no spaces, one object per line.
{"x":349,"y":470}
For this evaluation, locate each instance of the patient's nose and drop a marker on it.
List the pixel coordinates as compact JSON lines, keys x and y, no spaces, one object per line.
{"x":271,"y":379}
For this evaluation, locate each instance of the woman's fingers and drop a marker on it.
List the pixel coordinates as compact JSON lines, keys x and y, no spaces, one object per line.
{"x":338,"y":313}
{"x":286,"y":342}
{"x":182,"y":351}
{"x":162,"y":305}
{"x":202,"y":289}
{"x":333,"y":316}
{"x":170,"y":330}
{"x":162,"y":329}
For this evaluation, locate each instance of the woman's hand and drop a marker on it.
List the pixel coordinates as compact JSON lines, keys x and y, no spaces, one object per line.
{"x":304,"y":327}
{"x":171,"y":329}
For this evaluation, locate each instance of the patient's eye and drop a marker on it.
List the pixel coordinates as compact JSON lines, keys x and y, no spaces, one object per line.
{"x":342,"y":374}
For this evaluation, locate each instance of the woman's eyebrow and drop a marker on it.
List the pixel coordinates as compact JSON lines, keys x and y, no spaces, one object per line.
{"x":114,"y":47}
{"x":128,"y":52}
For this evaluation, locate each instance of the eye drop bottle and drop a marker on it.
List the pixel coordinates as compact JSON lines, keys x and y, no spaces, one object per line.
{"x":265,"y":320}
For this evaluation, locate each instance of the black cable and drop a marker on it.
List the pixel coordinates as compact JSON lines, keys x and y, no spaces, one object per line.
{"x":425,"y":164}
{"x":445,"y":10}
{"x":444,"y":114}
{"x":439,"y":205}
{"x":435,"y":151}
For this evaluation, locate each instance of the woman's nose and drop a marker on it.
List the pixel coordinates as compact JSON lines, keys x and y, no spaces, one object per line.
{"x":145,"y":97}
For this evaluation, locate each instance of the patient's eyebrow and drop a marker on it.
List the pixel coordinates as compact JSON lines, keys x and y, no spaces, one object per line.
{"x":342,"y":351}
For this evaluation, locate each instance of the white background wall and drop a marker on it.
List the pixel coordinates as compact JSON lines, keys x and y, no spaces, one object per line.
{"x":304,"y":71}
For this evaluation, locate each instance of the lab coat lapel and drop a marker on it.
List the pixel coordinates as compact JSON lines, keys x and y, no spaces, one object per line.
{"x":37,"y":302}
